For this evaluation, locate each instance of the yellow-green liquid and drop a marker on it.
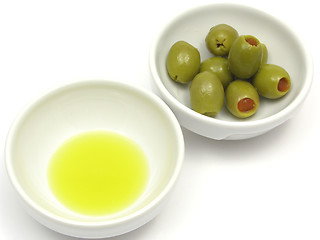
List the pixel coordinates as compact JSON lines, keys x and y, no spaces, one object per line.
{"x":98,"y":173}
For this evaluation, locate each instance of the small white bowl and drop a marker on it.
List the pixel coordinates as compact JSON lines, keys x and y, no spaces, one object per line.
{"x":285,"y":49}
{"x":88,"y":105}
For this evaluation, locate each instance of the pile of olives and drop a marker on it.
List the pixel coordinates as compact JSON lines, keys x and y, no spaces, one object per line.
{"x":238,"y":73}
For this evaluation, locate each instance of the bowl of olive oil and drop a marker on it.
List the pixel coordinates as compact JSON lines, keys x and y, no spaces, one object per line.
{"x":94,"y":159}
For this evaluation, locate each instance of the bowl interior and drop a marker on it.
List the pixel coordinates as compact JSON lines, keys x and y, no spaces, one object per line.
{"x":85,"y":106}
{"x":192,"y":26}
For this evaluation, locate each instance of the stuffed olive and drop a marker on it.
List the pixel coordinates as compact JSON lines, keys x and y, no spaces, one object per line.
{"x":219,"y":66}
{"x":245,"y":56}
{"x":272,"y":81}
{"x":206,"y":94}
{"x":183,"y":62}
{"x":220,"y":38}
{"x":242,"y":99}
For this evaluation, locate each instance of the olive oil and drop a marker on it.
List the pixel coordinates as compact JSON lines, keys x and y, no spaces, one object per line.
{"x":98,"y":173}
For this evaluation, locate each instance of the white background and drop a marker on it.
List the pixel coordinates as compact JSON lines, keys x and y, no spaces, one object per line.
{"x":262,"y":188}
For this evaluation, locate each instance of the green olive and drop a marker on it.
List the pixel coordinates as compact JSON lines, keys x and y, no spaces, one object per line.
{"x":242,"y":99}
{"x":272,"y":81}
{"x":220,"y":67}
{"x":183,"y":62}
{"x":206,"y":94}
{"x":264,"y":54}
{"x":245,"y":56}
{"x":220,"y":38}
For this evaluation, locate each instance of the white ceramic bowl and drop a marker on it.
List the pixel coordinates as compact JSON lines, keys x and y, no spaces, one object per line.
{"x":285,"y":49}
{"x":88,"y":105}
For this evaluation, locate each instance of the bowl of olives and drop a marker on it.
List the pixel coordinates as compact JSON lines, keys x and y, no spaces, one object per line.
{"x":230,"y":71}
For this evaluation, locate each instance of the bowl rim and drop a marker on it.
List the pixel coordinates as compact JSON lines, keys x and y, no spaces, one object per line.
{"x":19,"y":119}
{"x":245,"y":125}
